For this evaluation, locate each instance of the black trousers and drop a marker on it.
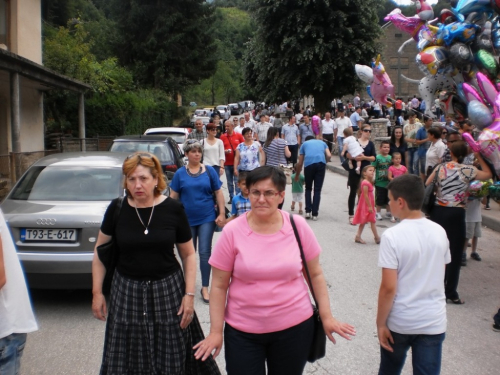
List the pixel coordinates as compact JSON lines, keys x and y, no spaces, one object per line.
{"x":285,"y":352}
{"x":294,"y":150}
{"x":452,"y":219}
{"x":328,"y":139}
{"x":353,"y":182}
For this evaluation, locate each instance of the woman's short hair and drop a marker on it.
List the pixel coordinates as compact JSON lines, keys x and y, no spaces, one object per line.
{"x":459,"y":150}
{"x":436,"y":132}
{"x":211,"y":127}
{"x":245,"y":131}
{"x":275,"y":174}
{"x":147,"y":160}
{"x":192,"y":144}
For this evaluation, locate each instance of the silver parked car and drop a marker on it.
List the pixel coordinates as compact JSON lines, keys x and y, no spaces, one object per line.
{"x":54,"y":213}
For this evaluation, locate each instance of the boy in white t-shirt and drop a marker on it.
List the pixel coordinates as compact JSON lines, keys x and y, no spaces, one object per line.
{"x":352,"y":146}
{"x":411,"y":302}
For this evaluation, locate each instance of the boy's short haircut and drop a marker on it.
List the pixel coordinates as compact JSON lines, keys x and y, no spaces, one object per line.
{"x":385,"y":143}
{"x":410,"y":188}
{"x":242,"y":176}
{"x":394,"y":154}
{"x":348,"y":131}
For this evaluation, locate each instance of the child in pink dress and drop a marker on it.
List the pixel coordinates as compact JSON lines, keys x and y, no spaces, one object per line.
{"x":396,"y":170}
{"x":365,"y":212}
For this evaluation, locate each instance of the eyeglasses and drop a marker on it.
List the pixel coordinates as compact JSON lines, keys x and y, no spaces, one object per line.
{"x":212,"y":130}
{"x":268,"y":194}
{"x":191,"y":141}
{"x":445,"y":133}
{"x":367,"y":130}
{"x":140,"y":155}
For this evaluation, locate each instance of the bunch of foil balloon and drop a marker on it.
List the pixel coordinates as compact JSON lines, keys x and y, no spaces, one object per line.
{"x":458,"y":53}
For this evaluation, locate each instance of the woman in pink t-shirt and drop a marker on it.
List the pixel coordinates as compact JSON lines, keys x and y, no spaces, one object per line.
{"x":258,"y":288}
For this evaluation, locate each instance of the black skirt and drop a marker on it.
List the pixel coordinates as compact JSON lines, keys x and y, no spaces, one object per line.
{"x":143,"y":334}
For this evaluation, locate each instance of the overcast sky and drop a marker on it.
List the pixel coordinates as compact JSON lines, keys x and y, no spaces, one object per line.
{"x":408,"y":2}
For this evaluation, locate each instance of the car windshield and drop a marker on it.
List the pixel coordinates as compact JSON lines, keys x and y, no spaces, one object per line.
{"x":69,"y":183}
{"x":177,"y":137}
{"x":159,"y":149}
{"x":221,"y":108}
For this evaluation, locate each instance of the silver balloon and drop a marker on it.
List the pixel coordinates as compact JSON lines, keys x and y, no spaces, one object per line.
{"x":479,"y":114}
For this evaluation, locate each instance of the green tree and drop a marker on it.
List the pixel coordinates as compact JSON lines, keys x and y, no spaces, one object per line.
{"x":310,"y":47}
{"x":232,"y":30}
{"x":168,"y":45}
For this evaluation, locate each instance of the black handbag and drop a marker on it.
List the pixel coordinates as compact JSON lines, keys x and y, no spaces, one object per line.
{"x":108,"y":252}
{"x":430,"y":194}
{"x":345,"y":165}
{"x":318,"y":346}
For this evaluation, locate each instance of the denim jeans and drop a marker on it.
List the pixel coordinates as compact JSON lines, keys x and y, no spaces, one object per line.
{"x":11,"y":351}
{"x":232,"y":181}
{"x":426,"y":354}
{"x":283,"y":351}
{"x":314,"y":174}
{"x":413,"y":161}
{"x":202,"y":240}
{"x":340,"y":142}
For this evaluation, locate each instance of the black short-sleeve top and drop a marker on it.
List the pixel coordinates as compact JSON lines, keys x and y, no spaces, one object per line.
{"x":148,"y":256}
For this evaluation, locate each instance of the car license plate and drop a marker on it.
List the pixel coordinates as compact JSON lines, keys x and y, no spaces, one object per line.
{"x":48,"y":234}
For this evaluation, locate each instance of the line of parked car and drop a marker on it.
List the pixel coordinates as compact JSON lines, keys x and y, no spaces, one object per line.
{"x":55,"y":210}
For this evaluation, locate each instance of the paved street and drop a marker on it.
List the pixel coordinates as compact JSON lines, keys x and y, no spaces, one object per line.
{"x":70,"y":340}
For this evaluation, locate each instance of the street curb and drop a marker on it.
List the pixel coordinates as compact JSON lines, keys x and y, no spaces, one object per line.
{"x":492,"y":223}
{"x":337,"y":170}
{"x":487,"y":221}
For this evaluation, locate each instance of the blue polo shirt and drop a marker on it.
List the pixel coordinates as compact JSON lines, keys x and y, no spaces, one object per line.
{"x":313,"y":151}
{"x":422,"y":149}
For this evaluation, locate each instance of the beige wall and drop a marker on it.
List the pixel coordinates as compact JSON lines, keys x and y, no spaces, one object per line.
{"x":392,"y":39}
{"x":32,"y":132}
{"x":26,"y":29}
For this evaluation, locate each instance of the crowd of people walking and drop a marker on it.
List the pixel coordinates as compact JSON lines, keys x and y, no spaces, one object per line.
{"x":151,"y":324}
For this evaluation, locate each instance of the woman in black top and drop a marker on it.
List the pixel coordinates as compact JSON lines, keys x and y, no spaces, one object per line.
{"x":368,"y":156}
{"x":151,"y":325}
{"x":398,"y":144}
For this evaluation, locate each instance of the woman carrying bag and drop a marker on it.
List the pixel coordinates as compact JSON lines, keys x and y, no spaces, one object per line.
{"x":151,"y":324}
{"x":257,"y":272}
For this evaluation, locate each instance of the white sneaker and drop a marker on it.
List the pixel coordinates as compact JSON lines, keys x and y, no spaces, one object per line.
{"x":315,"y":218}
{"x":393,"y":219}
{"x":308,"y":215}
{"x":379,"y":217}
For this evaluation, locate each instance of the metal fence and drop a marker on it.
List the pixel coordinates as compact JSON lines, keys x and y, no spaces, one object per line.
{"x":14,"y":164}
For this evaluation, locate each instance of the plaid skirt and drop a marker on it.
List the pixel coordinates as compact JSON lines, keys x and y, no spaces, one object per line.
{"x":143,"y":334}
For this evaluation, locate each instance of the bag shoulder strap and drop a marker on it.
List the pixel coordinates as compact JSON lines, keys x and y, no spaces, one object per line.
{"x":116,"y":213}
{"x":297,"y":237}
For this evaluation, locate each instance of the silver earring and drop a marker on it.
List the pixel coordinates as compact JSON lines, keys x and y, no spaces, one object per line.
{"x":156,"y":186}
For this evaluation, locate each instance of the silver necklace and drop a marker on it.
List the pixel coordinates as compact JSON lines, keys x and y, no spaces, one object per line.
{"x":194,"y":174}
{"x":150,"y":216}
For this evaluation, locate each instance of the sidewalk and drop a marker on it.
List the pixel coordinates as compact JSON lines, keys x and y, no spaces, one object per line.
{"x":491,"y":218}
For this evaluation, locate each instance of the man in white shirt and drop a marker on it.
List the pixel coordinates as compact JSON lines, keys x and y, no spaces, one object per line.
{"x":241,"y":126}
{"x":327,"y":129}
{"x":356,"y":101}
{"x":261,"y":128}
{"x":411,"y":302}
{"x":299,"y":116}
{"x":249,"y":123}
{"x":341,"y":123}
{"x":290,"y":133}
